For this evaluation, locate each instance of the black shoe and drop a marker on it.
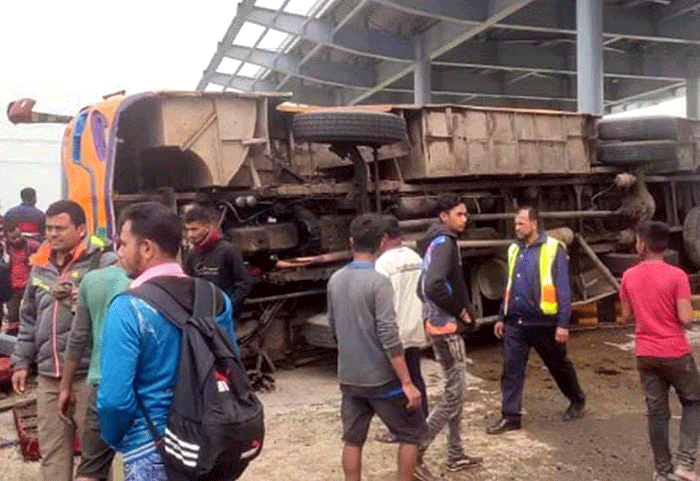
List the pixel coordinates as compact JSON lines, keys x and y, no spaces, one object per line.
{"x":575,"y":410}
{"x":504,"y":425}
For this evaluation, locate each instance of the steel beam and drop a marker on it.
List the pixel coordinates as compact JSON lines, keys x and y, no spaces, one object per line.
{"x":331,"y":73}
{"x":440,"y":39}
{"x":657,"y":63}
{"x":300,"y":93}
{"x":231,"y":32}
{"x":559,"y":17}
{"x":421,"y":73}
{"x":471,"y":12}
{"x":359,"y":41}
{"x":589,"y":55}
{"x":678,"y":8}
{"x":692,"y":98}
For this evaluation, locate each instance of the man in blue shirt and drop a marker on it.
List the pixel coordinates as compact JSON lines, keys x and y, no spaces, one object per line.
{"x":140,"y":347}
{"x":536,"y":312}
{"x":31,"y":221}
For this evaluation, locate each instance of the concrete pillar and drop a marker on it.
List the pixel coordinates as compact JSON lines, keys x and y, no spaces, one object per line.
{"x":421,"y":73}
{"x":589,"y":55}
{"x":692,"y":98}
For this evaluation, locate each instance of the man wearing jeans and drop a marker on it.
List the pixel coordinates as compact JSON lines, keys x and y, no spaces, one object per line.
{"x":444,"y":293}
{"x":535,"y":313}
{"x":657,"y":295}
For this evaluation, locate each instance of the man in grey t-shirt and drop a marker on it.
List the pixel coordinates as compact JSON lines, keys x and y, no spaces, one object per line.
{"x":371,"y":366}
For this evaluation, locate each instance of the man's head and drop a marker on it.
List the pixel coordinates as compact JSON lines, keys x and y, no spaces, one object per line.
{"x":149,"y":234}
{"x":526,"y":219}
{"x":366,"y":233}
{"x":28,"y":196}
{"x":652,"y":238}
{"x":198,"y":224}
{"x":452,"y":211}
{"x":12,"y":231}
{"x":65,"y":225}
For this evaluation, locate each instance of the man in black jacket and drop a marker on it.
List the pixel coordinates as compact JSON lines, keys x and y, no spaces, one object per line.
{"x":215,"y":259}
{"x":444,"y":293}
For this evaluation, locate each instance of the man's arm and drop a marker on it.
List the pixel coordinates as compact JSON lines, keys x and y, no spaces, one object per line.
{"x":437,"y":288}
{"x":116,"y":399}
{"x":683,"y":304}
{"x":241,"y":280}
{"x":563,"y":288}
{"x":79,"y":339}
{"x":188,"y":265}
{"x":388,"y":333}
{"x":25,"y":350}
{"x":331,"y":320}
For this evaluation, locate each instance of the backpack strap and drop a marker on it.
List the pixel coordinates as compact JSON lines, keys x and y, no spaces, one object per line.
{"x":162,"y":301}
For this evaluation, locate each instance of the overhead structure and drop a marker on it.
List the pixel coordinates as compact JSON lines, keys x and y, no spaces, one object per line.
{"x":590,"y":55}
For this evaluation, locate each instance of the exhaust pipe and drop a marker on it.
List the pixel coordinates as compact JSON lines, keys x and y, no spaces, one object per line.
{"x":20,"y":112}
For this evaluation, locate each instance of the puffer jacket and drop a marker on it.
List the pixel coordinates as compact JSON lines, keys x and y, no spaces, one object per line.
{"x":47,"y":311}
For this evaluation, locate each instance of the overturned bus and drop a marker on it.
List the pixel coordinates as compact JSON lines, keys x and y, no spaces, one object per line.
{"x":287,"y":179}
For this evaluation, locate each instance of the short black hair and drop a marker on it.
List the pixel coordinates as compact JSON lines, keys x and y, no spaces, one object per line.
{"x":366,"y":231}
{"x":155,"y":222}
{"x":72,"y":208}
{"x":197,"y":213}
{"x":448,"y":201}
{"x":655,"y":235}
{"x":391,"y":227}
{"x":28,"y":195}
{"x":532,"y":212}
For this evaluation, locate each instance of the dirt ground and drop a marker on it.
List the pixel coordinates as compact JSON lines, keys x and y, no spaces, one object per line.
{"x":609,"y":444}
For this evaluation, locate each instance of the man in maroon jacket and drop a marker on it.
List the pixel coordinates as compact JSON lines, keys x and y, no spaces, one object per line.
{"x":19,"y":248}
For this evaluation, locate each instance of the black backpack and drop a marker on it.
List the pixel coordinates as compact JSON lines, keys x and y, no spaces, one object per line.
{"x":215,"y":423}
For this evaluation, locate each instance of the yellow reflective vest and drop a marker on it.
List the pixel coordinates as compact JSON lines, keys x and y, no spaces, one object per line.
{"x":548,"y":293}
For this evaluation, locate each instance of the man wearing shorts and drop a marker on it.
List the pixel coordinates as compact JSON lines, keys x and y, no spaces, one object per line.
{"x":372,"y":369}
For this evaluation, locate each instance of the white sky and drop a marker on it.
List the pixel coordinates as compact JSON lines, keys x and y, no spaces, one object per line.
{"x":68,"y":54}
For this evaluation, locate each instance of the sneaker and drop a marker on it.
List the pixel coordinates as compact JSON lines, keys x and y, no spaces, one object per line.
{"x":686,"y":474}
{"x":575,"y":410}
{"x":665,"y":477}
{"x":464,"y":462}
{"x":422,"y":473}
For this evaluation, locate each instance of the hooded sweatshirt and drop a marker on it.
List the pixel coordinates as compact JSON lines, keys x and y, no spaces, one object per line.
{"x":441,"y":287}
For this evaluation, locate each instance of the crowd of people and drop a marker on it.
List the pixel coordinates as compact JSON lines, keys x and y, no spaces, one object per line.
{"x":107,"y":360}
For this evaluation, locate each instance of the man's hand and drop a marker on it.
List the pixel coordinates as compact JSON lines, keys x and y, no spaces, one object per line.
{"x":66,"y":399}
{"x":498,"y":329}
{"x":19,"y":380}
{"x":412,"y":394}
{"x":562,"y":335}
{"x":464,"y":315}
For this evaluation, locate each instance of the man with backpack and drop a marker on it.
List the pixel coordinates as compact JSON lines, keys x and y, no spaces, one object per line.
{"x":141,"y":348}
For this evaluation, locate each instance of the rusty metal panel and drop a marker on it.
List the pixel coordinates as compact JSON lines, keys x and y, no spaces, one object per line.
{"x":454,"y":140}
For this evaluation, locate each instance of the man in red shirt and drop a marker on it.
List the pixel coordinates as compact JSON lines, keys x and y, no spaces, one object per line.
{"x":19,"y":249}
{"x":657,"y":295}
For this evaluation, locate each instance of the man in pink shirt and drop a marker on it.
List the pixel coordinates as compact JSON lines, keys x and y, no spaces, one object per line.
{"x":657,"y":296}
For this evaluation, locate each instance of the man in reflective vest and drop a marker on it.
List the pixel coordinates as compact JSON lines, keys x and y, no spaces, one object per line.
{"x":536,"y":312}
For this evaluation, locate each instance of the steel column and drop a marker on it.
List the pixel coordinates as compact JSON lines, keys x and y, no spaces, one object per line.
{"x":589,"y":55}
{"x":692,"y":98}
{"x":421,"y":73}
